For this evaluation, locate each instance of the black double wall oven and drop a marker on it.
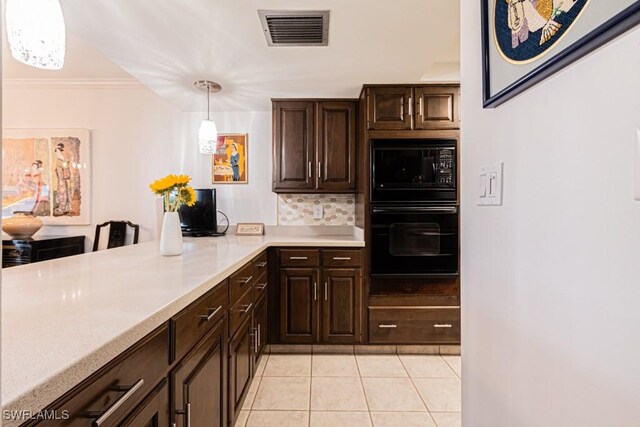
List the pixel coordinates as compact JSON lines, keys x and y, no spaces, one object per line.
{"x":414,"y":209}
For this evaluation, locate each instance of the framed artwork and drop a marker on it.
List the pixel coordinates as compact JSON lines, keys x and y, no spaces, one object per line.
{"x":47,"y":172}
{"x":229,"y":164}
{"x":526,"y":41}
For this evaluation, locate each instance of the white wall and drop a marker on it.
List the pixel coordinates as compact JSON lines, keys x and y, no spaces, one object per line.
{"x":135,"y":138}
{"x":551,"y":280}
{"x":138,"y":137}
{"x":252,"y":202}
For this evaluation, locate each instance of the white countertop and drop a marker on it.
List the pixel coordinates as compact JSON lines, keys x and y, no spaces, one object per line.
{"x":64,"y":319}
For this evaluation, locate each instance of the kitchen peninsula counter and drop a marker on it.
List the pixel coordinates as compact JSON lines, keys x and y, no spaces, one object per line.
{"x":64,"y":319}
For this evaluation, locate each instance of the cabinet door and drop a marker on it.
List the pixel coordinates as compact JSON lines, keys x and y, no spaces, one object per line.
{"x":260,"y":326}
{"x":341,"y":305}
{"x":298,"y":305}
{"x":293,"y":146}
{"x":389,"y":108}
{"x":241,"y":358}
{"x":437,"y":107}
{"x":199,"y":383}
{"x":336,"y":145}
{"x":154,"y":411}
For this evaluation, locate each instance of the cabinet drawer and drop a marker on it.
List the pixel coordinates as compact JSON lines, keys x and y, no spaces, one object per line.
{"x":240,"y":281}
{"x":341,"y":258}
{"x":299,"y":257}
{"x":239,"y":312}
{"x":116,"y":389}
{"x":260,"y":264}
{"x":260,"y":287}
{"x":195,"y":321}
{"x":414,"y":325}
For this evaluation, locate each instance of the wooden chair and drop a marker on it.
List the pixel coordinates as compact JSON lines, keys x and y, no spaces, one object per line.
{"x":117,"y":234}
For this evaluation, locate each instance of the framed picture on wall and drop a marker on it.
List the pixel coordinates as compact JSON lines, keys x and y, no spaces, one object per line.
{"x":229,"y":164}
{"x":526,"y":41}
{"x":47,"y":172}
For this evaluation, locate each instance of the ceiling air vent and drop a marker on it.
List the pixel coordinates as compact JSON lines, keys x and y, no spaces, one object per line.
{"x":295,"y":27}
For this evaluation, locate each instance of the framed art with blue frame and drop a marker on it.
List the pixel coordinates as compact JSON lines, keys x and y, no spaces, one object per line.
{"x":526,"y":41}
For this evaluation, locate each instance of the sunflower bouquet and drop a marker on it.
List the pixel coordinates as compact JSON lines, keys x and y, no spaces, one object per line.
{"x":175,"y":191}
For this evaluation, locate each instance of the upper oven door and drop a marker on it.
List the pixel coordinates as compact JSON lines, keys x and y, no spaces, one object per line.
{"x":414,"y":241}
{"x":413,"y":171}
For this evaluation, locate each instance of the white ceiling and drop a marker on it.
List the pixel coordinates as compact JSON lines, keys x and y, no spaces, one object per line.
{"x":82,"y":62}
{"x":168,"y":44}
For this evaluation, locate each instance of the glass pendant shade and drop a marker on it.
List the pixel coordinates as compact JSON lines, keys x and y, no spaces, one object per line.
{"x":36,"y":32}
{"x":208,"y":137}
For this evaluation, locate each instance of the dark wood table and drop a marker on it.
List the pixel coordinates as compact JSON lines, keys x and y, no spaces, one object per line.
{"x":27,"y":251}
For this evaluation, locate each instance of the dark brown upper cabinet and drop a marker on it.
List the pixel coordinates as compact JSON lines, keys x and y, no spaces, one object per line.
{"x":389,"y":108}
{"x":293,"y":146}
{"x":437,"y":107}
{"x":421,"y":107}
{"x":314,"y":146}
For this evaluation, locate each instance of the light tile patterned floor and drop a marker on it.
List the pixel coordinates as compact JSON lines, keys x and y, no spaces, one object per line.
{"x":292,"y":390}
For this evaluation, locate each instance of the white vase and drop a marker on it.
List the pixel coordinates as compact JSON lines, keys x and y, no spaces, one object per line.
{"x":171,"y":237}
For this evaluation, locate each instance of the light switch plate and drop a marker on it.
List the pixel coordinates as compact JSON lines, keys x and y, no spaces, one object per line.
{"x":318,"y":211}
{"x":636,"y":184}
{"x":490,"y":185}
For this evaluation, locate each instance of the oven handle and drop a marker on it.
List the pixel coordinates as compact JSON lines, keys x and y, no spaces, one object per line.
{"x":430,"y":209}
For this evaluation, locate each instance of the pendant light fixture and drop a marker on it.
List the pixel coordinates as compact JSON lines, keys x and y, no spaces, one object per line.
{"x":36,"y":32}
{"x":208,"y":133}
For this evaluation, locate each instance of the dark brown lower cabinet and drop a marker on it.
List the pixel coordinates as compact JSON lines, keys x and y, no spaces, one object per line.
{"x":199,"y":383}
{"x":341,"y":305}
{"x":260,"y":316}
{"x":241,"y":360}
{"x":320,"y":305}
{"x":154,"y":411}
{"x":299,"y":305}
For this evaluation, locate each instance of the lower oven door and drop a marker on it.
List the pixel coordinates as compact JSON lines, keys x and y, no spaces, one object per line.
{"x":414,"y":241}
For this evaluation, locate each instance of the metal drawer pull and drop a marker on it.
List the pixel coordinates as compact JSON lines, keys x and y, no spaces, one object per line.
{"x":188,"y":414}
{"x":246,"y":280}
{"x":443,"y":325}
{"x":261,"y":286}
{"x":210,"y":316}
{"x":342,"y":258}
{"x":255,"y":340}
{"x":319,"y":170}
{"x":387,"y":325}
{"x":247,"y":308}
{"x":315,"y":291}
{"x":309,"y":169}
{"x":261,"y":264}
{"x":326,"y":291}
{"x":118,"y":403}
{"x":299,"y":258}
{"x":259,"y":341}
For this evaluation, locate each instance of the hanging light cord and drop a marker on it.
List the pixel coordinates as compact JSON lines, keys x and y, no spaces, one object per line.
{"x":208,"y":92}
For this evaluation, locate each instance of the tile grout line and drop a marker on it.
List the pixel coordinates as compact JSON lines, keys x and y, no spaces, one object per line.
{"x":310,"y":387}
{"x":419,"y":395}
{"x":259,"y":383}
{"x":364,"y":390}
{"x":250,"y":409}
{"x":449,"y":364}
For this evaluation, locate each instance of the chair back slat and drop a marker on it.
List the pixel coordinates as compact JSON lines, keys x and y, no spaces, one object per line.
{"x":117,"y":234}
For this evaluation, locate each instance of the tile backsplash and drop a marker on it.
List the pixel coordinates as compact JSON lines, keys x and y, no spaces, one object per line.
{"x":297,"y":209}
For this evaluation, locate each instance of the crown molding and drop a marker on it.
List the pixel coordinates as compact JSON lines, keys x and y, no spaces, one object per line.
{"x":117,"y":83}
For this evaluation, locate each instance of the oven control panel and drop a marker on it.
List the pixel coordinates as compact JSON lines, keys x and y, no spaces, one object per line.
{"x":446,"y":171}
